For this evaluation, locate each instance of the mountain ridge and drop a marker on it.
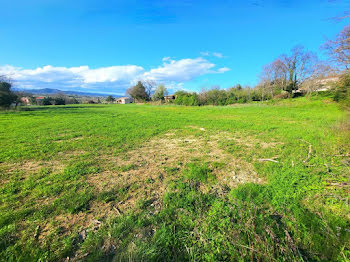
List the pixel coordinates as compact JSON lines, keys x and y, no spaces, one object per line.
{"x":52,"y":91}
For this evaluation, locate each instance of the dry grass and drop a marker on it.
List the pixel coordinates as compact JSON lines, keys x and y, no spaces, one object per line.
{"x":144,"y":174}
{"x":144,"y":170}
{"x":30,"y":167}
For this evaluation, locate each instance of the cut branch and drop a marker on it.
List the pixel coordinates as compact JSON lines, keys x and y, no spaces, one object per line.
{"x":309,"y":154}
{"x":268,"y":159}
{"x":340,"y":184}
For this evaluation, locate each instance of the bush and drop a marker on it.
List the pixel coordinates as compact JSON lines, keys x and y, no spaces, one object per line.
{"x":342,"y":92}
{"x":186,"y":99}
{"x":283,"y":95}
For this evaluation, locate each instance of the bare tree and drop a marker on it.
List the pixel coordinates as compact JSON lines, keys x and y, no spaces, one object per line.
{"x":273,"y":76}
{"x":159,"y":93}
{"x":345,"y":15}
{"x":150,"y":86}
{"x":288,"y":72}
{"x":299,"y":65}
{"x":339,"y":49}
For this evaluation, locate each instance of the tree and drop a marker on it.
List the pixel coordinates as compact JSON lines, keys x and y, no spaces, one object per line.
{"x":160,"y":92}
{"x":299,"y":65}
{"x":7,"y":97}
{"x":138,"y":92}
{"x":274,"y":76}
{"x":110,"y":99}
{"x":339,"y":49}
{"x":288,"y":72}
{"x":59,"y":101}
{"x":149,"y":85}
{"x":47,"y":101}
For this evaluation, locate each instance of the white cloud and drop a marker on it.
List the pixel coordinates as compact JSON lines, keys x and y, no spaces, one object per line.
{"x":168,"y":58}
{"x":180,"y":71}
{"x":223,"y":69}
{"x":110,"y":79}
{"x":114,"y":78}
{"x":83,"y":73}
{"x":111,"y":74}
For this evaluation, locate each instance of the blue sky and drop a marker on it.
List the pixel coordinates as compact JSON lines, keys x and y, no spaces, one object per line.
{"x":105,"y":46}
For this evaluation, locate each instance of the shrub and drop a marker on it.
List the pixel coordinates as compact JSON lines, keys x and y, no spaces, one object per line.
{"x":186,"y":99}
{"x":342,"y":92}
{"x":283,"y":95}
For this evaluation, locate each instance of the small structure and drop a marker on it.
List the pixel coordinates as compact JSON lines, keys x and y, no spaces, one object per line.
{"x":327,"y":83}
{"x":39,"y":100}
{"x":169,"y":98}
{"x":320,"y":84}
{"x":124,"y":100}
{"x":25,"y":100}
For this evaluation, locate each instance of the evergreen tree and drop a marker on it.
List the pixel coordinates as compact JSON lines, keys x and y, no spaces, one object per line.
{"x":7,"y":97}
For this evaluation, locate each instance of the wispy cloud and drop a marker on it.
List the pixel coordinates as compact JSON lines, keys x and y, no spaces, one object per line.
{"x":167,"y":58}
{"x":216,"y":54}
{"x":223,"y":70}
{"x":219,"y":55}
{"x":110,"y":79}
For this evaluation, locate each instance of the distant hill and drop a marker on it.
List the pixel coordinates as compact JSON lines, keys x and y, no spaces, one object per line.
{"x":51,"y":91}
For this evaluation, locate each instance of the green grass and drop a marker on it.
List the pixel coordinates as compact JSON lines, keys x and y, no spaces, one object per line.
{"x":54,"y":161}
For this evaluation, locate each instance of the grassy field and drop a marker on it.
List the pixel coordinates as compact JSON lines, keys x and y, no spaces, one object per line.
{"x":169,"y":183}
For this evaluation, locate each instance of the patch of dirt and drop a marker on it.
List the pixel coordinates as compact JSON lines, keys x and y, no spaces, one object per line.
{"x":30,"y":167}
{"x":151,"y":164}
{"x":75,"y":223}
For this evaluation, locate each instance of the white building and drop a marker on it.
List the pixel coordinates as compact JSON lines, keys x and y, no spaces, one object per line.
{"x":124,"y":100}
